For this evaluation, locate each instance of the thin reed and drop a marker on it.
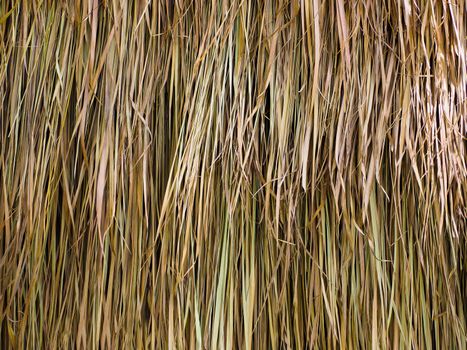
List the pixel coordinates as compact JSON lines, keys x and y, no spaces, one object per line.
{"x":197,"y":174}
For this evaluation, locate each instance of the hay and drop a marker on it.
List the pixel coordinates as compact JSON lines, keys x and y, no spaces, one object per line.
{"x":233,"y":174}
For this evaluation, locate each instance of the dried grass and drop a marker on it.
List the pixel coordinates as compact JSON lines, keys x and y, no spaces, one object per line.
{"x":233,"y":174}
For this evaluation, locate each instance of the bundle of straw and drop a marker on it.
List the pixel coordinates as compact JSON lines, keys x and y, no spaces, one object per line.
{"x":263,"y":174}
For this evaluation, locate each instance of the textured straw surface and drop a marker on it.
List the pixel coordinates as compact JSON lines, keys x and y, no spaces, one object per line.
{"x":202,"y":174}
